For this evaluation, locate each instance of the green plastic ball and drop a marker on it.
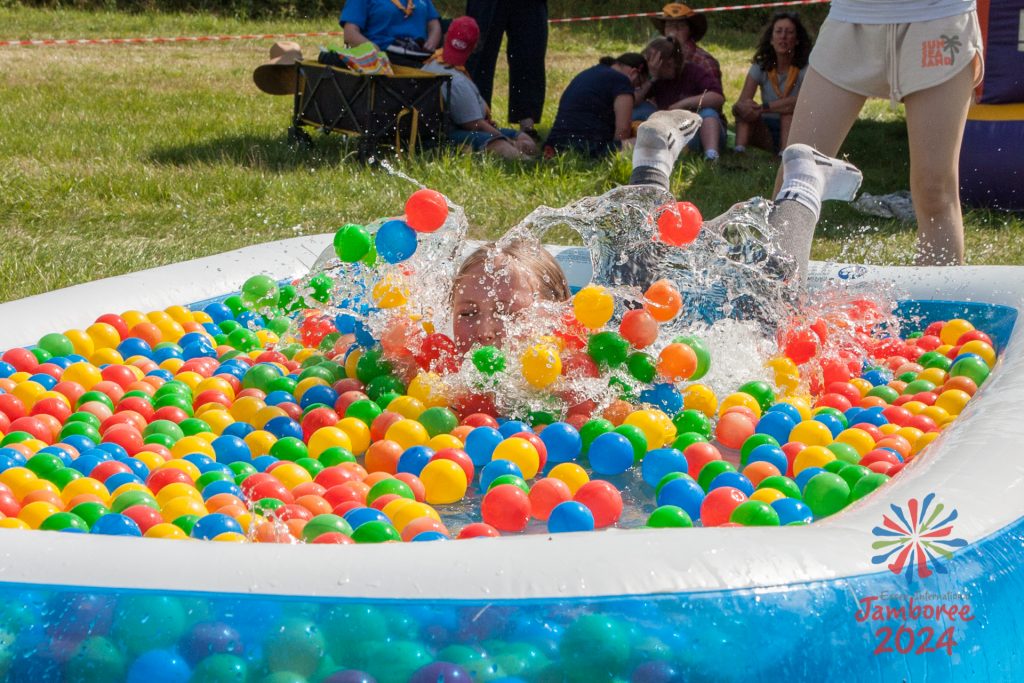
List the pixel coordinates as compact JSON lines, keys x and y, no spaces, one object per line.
{"x":690,"y":420}
{"x":221,"y":668}
{"x":608,"y":349}
{"x":593,"y":429}
{"x":701,"y":350}
{"x":438,"y":420}
{"x":973,"y":368}
{"x":260,"y":292}
{"x":636,"y":438}
{"x":148,"y":622}
{"x":669,"y":516}
{"x":56,"y":344}
{"x":595,"y":647}
{"x":297,"y":645}
{"x":752,"y":442}
{"x":762,"y":393}
{"x":783,"y":484}
{"x":95,"y":660}
{"x":325,"y":524}
{"x":335,"y":455}
{"x":289,"y":448}
{"x":867,"y":484}
{"x":754,"y":513}
{"x":641,"y":366}
{"x":711,"y":470}
{"x":375,"y":532}
{"x":351,"y":242}
{"x":826,"y":494}
{"x":683,"y":441}
{"x":488,"y":360}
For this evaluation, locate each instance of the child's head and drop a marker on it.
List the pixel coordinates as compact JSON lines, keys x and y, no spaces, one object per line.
{"x":672,"y":58}
{"x":497,"y":281}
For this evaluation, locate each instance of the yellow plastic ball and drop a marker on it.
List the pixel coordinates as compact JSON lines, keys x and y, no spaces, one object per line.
{"x":173,"y":508}
{"x":593,"y":306}
{"x":390,"y":292}
{"x":653,"y":427}
{"x":166,"y":531}
{"x":29,"y":392}
{"x":81,"y":341}
{"x":953,"y":329}
{"x":291,"y":475}
{"x":200,"y":317}
{"x":407,"y":433}
{"x":34,"y":514}
{"x":541,"y":365}
{"x":700,"y":397}
{"x":184,"y":465}
{"x":177,"y":489}
{"x":245,"y":408}
{"x":442,"y":441}
{"x":266,"y":338}
{"x":86,"y":374}
{"x":351,"y":362}
{"x":85,"y":485}
{"x":125,"y":488}
{"x":407,"y":407}
{"x":863,"y":386}
{"x":860,"y":440}
{"x":812,"y":456}
{"x":953,"y":401}
{"x":265,"y":415}
{"x":192,"y":379}
{"x":572,"y":474}
{"x":328,"y":437}
{"x":911,"y":434}
{"x":915,"y":407}
{"x":187,"y":445}
{"x":259,"y":442}
{"x":218,"y":420}
{"x":429,"y":389}
{"x":740,"y":399}
{"x":172,"y":365}
{"x":444,"y":482}
{"x":767,"y":495}
{"x":106,"y":357}
{"x":394,"y":506}
{"x":925,"y":439}
{"x":982,"y":349}
{"x":304,"y":385}
{"x":103,"y":335}
{"x":216,"y":384}
{"x":521,"y":452}
{"x":20,"y":480}
{"x":787,"y":375}
{"x":811,"y":433}
{"x":13,"y":523}
{"x":180,"y":314}
{"x":889,"y":429}
{"x":150,"y":459}
{"x":230,"y":537}
{"x":936,"y":413}
{"x":414,"y":510}
{"x":936,"y":376}
{"x":358,"y":434}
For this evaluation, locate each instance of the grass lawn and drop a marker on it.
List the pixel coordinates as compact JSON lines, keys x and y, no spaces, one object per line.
{"x":118,"y":158}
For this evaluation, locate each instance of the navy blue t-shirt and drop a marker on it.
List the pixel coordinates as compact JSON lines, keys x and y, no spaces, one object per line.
{"x":586,"y":112}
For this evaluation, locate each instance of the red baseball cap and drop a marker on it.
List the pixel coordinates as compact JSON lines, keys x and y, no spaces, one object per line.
{"x":460,"y":41}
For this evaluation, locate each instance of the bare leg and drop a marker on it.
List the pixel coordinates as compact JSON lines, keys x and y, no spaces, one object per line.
{"x":742,"y":133}
{"x":709,"y":132}
{"x":935,"y":127}
{"x":785,"y":123}
{"x":823,"y":117}
{"x":525,"y":144}
{"x":504,"y":149}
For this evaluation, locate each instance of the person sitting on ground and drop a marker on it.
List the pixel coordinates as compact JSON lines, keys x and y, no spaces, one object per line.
{"x":473,"y":126}
{"x":500,"y":280}
{"x":684,"y":85}
{"x":687,"y":27}
{"x":596,"y":110}
{"x":408,"y":29}
{"x":778,"y":70}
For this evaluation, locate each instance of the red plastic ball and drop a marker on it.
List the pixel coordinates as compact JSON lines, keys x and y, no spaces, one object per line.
{"x":115,"y":321}
{"x":333,"y":537}
{"x":478,"y":530}
{"x":506,"y":508}
{"x":109,"y":468}
{"x":734,"y":428}
{"x":603,"y":500}
{"x":426,"y":210}
{"x":438,"y":354}
{"x":700,"y":454}
{"x":144,"y":516}
{"x":317,"y":419}
{"x":719,"y":504}
{"x":459,"y":457}
{"x":161,"y":478}
{"x":380,"y":425}
{"x":639,"y":328}
{"x":680,"y":226}
{"x":23,"y":360}
{"x":799,"y":345}
{"x":546,"y":494}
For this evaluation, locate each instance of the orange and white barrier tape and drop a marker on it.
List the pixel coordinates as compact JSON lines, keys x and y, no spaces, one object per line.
{"x":68,"y":42}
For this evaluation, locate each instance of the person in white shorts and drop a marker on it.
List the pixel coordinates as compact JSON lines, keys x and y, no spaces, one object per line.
{"x":924,"y":53}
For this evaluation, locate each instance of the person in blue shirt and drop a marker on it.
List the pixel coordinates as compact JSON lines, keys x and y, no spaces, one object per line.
{"x":382,"y":22}
{"x":596,"y":110}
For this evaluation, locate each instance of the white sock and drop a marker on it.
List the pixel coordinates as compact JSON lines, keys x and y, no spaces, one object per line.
{"x":739,"y":149}
{"x":711,"y":154}
{"x":661,"y":138}
{"x":809,"y":177}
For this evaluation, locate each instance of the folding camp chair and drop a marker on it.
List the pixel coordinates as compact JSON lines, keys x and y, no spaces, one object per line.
{"x":405,"y":112}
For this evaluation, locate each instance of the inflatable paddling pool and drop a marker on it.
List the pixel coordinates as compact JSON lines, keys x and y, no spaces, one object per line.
{"x":795,"y":603}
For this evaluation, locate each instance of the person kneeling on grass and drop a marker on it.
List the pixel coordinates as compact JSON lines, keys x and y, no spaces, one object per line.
{"x":473,"y":126}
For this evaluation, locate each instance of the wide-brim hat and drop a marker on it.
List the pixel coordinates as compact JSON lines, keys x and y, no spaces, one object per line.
{"x":678,"y":11}
{"x":279,"y":75}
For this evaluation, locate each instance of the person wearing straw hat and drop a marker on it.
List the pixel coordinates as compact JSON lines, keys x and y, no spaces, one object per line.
{"x":687,"y":27}
{"x":279,"y":75}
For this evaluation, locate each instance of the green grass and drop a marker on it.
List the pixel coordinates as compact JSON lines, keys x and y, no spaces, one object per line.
{"x":119,"y":158}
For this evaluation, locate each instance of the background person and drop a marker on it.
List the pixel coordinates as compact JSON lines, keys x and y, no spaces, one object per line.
{"x":525,"y":24}
{"x":473,"y":127}
{"x":778,"y":69}
{"x":385,"y":22}
{"x":924,"y":53}
{"x":687,"y":27}
{"x":595,"y":112}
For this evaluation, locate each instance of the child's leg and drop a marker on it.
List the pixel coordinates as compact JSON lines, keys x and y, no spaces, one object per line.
{"x":659,"y":141}
{"x":808,"y":178}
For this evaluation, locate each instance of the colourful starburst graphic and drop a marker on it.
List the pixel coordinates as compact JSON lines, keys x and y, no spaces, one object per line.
{"x":915,"y":538}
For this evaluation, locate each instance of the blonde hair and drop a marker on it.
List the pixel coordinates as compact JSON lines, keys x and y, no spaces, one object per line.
{"x":529,"y":255}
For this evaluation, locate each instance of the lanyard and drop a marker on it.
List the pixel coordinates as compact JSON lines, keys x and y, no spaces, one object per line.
{"x":406,"y":9}
{"x":791,"y":77}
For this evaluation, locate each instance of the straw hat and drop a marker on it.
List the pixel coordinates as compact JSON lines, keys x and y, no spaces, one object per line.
{"x":278,"y":76}
{"x":676,"y":11}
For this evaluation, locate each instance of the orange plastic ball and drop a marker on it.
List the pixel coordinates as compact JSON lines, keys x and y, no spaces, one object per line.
{"x":663,"y":301}
{"x":677,"y":362}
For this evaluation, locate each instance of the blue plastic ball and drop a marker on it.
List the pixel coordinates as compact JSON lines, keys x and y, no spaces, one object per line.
{"x":395,"y":241}
{"x":511,"y":427}
{"x":611,"y":453}
{"x":663,"y":396}
{"x":239,"y":429}
{"x":356,"y":517}
{"x":159,"y":666}
{"x":734,"y":480}
{"x":683,"y":492}
{"x":413,"y":460}
{"x":480,"y":444}
{"x":133,"y":346}
{"x":562,"y":441}
{"x":792,"y":510}
{"x":167,"y":353}
{"x":6,"y":369}
{"x":877,"y":377}
{"x":318,"y":394}
{"x":115,"y":481}
{"x":495,"y":469}
{"x":46,"y":381}
{"x":661,"y":461}
{"x":834,"y":424}
{"x":776,"y":424}
{"x":218,"y":312}
{"x":787,"y":409}
{"x":113,"y":524}
{"x":231,"y":449}
{"x":770,"y":454}
{"x":430,"y":536}
{"x":263,"y":462}
{"x":873,"y":416}
{"x":283,"y":426}
{"x":223,"y":486}
{"x":805,"y":476}
{"x":570,"y":516}
{"x":213,"y":525}
{"x":278,"y":397}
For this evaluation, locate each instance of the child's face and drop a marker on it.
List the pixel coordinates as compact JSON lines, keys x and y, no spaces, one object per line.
{"x":486,"y":298}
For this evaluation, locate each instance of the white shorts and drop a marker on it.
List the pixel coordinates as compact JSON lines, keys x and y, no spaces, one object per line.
{"x":892,"y":61}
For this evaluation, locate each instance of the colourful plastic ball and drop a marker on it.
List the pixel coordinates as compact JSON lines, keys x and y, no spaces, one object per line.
{"x":669,"y":517}
{"x":700,"y":350}
{"x":426,"y":210}
{"x":791,"y":510}
{"x":679,"y":225}
{"x":719,"y":504}
{"x":611,"y":454}
{"x":260,"y":292}
{"x":488,"y":359}
{"x":604,"y":501}
{"x":506,"y":508}
{"x":395,"y":241}
{"x":541,"y":365}
{"x":570,"y":516}
{"x":826,"y":494}
{"x":351,"y":242}
{"x":563,"y":442}
{"x":972,"y":367}
{"x":608,"y":349}
{"x":754,"y":513}
{"x":444,"y":481}
{"x":681,"y":492}
{"x":593,"y":306}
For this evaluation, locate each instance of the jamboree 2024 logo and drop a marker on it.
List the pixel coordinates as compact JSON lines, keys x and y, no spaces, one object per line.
{"x":915,"y":541}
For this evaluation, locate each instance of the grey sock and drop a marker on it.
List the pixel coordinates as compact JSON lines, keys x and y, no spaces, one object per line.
{"x":649,"y":175}
{"x":794,"y":225}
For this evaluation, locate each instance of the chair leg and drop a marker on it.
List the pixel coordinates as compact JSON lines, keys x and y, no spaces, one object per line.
{"x":297,"y":137}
